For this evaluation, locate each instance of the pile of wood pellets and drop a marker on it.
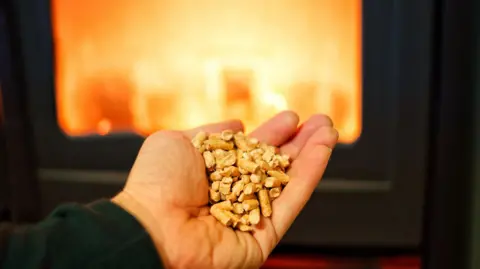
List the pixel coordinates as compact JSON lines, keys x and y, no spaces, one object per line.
{"x":245,"y":176}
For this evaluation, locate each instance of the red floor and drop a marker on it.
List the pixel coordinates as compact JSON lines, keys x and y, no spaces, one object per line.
{"x":311,"y":262}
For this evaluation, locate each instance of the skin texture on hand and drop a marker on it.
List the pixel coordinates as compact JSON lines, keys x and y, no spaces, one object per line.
{"x":167,"y":191}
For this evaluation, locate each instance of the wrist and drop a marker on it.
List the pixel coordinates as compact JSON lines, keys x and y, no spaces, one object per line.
{"x":144,"y":217}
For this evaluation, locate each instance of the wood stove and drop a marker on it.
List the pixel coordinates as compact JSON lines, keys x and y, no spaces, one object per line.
{"x":92,"y":78}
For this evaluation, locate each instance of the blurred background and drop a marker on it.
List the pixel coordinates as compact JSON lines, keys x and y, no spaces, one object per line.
{"x":83,"y":82}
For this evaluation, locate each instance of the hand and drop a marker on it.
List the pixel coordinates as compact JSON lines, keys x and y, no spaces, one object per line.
{"x":167,"y":191}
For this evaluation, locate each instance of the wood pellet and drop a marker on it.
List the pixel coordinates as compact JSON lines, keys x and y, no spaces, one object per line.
{"x":244,"y":175}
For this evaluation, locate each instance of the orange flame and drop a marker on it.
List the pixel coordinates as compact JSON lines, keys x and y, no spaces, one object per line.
{"x":140,"y":66}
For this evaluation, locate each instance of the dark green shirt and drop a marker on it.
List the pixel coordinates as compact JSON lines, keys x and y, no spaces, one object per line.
{"x":99,"y":235}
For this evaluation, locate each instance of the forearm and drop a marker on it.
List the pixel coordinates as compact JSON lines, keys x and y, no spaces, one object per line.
{"x":100,"y":235}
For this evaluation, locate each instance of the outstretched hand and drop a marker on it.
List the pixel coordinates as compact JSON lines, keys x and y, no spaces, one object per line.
{"x":167,"y":191}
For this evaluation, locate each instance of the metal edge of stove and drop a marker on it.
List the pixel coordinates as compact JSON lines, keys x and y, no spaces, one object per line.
{"x":4,"y":186}
{"x":20,"y":178}
{"x":449,"y":196}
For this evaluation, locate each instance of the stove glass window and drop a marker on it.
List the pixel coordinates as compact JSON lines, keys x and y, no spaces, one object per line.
{"x":141,"y":66}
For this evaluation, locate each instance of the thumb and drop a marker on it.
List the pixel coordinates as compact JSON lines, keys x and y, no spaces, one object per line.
{"x":165,"y":155}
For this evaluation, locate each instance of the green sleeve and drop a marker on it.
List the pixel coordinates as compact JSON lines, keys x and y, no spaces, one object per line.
{"x":99,"y":235}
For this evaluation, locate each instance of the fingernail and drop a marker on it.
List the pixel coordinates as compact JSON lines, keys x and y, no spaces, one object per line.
{"x":322,"y":152}
{"x":332,"y":140}
{"x":336,"y":134}
{"x":320,"y":120}
{"x":293,"y":118}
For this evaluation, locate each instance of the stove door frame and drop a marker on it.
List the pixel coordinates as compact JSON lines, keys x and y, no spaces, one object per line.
{"x":19,"y":192}
{"x":376,"y":191}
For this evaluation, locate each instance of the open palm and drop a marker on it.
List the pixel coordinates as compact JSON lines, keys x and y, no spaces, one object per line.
{"x":169,"y":181}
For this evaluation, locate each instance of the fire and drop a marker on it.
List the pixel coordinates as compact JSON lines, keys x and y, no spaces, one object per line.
{"x":141,"y":66}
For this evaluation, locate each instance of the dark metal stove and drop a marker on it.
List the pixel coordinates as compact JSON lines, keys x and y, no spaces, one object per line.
{"x":392,"y":189}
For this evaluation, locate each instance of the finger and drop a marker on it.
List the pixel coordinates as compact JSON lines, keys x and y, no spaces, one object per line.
{"x":278,"y":129}
{"x":305,"y":174}
{"x":234,"y":125}
{"x":293,"y":147}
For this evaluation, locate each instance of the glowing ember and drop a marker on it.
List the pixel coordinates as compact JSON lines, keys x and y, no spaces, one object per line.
{"x":104,"y":127}
{"x":140,"y":66}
